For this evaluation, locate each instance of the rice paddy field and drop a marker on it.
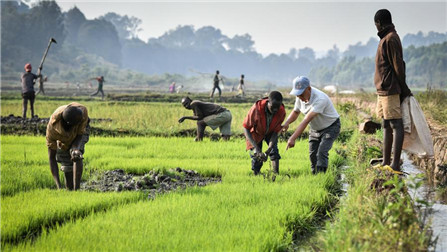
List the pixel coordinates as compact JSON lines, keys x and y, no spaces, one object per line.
{"x":241,"y":213}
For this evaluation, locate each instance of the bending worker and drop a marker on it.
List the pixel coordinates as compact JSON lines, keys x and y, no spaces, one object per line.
{"x":263,"y":123}
{"x":67,"y":133}
{"x":208,"y":114}
{"x":324,"y":122}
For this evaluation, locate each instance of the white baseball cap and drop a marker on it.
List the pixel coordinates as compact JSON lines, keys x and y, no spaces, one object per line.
{"x":300,"y":83}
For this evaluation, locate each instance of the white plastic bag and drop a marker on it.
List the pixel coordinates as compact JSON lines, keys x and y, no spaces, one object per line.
{"x":417,"y":139}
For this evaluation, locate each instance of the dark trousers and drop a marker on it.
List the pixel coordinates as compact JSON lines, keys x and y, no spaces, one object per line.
{"x":256,"y":165}
{"x":97,"y":91}
{"x":320,"y":142}
{"x":28,"y":96}
{"x":214,"y":89}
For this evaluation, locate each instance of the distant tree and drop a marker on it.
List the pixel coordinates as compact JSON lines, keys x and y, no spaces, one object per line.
{"x":127,"y":27}
{"x":209,"y":37}
{"x":242,"y":43}
{"x":73,"y":20}
{"x":100,"y":37}
{"x":419,"y":39}
{"x":43,"y":21}
{"x":180,"y":37}
{"x":293,"y":53}
{"x":360,"y":50}
{"x":306,"y":53}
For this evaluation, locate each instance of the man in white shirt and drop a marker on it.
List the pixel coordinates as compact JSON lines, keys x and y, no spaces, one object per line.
{"x":324,"y":122}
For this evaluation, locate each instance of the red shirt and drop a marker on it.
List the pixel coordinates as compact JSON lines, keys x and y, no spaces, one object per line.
{"x":256,"y":121}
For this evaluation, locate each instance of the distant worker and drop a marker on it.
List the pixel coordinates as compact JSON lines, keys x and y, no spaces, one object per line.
{"x":101,"y":81}
{"x":172,"y":87}
{"x":67,"y":133}
{"x":179,"y":89}
{"x":208,"y":114}
{"x":241,"y":87}
{"x":324,"y":122}
{"x":263,"y":123}
{"x":28,"y":94}
{"x":389,"y":79}
{"x":217,"y":79}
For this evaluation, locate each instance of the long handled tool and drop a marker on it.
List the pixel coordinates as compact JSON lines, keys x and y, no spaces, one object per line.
{"x":41,"y":80}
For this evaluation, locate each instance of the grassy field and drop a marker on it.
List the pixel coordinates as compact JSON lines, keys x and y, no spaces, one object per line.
{"x":244,"y":212}
{"x":148,"y":118}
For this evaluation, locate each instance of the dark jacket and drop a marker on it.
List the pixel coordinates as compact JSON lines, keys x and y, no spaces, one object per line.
{"x":28,"y":81}
{"x":389,"y":76}
{"x":256,"y":121}
{"x":204,"y":109}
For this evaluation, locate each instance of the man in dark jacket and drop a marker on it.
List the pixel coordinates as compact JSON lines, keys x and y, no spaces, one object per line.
{"x":208,"y":114}
{"x":263,"y":122}
{"x":28,"y":81}
{"x":389,"y":79}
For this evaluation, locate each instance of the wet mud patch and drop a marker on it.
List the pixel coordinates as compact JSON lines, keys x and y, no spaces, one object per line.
{"x":16,"y":125}
{"x":153,"y":182}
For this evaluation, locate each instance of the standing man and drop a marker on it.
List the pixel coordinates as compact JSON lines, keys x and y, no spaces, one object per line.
{"x":101,"y":81}
{"x":28,"y":82}
{"x":324,"y":122}
{"x":208,"y":114}
{"x":67,"y":132}
{"x":217,"y":79}
{"x":263,"y":122}
{"x":389,"y":79}
{"x":241,"y":87}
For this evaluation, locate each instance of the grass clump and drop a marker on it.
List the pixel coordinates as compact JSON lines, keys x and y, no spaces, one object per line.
{"x":377,"y":214}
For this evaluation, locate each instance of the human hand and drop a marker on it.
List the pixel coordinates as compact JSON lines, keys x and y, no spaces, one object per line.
{"x":76,"y":155}
{"x":290,"y":143}
{"x":284,"y":128}
{"x":181,"y":119}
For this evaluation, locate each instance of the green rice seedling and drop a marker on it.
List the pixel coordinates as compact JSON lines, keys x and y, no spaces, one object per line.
{"x":249,"y":215}
{"x":25,"y":214}
{"x":254,"y":198}
{"x":137,"y":156}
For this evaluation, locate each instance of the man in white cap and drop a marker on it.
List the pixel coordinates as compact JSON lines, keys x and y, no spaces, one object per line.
{"x":324,"y":122}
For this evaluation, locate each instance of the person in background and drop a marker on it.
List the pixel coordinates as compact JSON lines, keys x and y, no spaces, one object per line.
{"x":172,"y":87}
{"x":263,"y":123}
{"x":216,"y":81}
{"x":208,"y":114}
{"x":28,"y":94}
{"x":67,"y":133}
{"x":241,"y":87}
{"x":101,"y":81}
{"x":324,"y":122}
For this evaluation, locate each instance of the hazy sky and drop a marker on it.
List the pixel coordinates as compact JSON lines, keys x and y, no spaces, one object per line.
{"x":276,"y":26}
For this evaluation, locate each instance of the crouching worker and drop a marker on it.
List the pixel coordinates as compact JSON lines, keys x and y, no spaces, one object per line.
{"x":324,"y":122}
{"x":208,"y":114}
{"x":67,"y":132}
{"x":263,"y":123}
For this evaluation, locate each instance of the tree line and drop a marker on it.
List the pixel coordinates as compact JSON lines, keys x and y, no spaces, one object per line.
{"x":108,"y":45}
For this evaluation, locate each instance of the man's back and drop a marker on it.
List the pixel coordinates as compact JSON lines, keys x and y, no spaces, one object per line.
{"x":204,"y":109}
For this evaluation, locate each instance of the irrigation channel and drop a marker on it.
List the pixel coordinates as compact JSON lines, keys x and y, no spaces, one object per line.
{"x":437,"y":211}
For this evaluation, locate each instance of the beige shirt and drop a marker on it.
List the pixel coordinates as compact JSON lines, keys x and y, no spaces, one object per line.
{"x":57,"y":137}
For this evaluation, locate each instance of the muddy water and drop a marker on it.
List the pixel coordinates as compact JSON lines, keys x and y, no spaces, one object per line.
{"x":438,"y":214}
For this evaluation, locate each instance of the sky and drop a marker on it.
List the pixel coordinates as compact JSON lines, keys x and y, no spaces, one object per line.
{"x":276,"y":27}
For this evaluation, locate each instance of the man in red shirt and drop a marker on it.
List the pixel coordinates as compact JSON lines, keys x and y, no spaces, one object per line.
{"x":263,"y":122}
